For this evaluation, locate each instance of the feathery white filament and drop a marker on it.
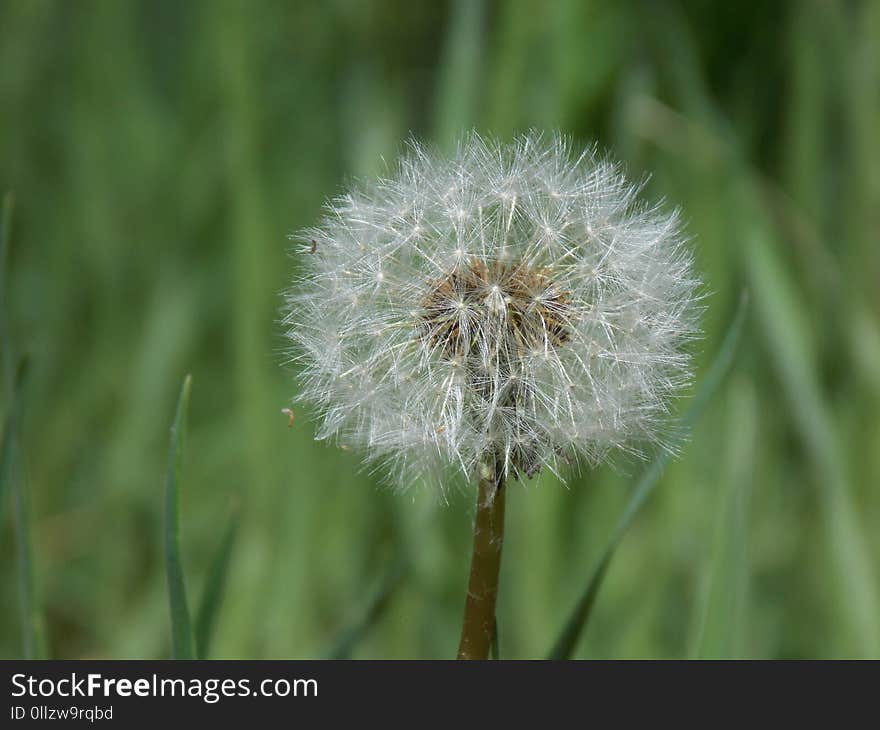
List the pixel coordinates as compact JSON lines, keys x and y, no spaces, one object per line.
{"x":512,"y":303}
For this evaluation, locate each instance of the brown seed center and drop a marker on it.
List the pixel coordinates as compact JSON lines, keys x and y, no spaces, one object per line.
{"x":495,"y":311}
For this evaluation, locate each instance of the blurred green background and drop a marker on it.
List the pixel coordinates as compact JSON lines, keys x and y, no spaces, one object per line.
{"x":160,"y":152}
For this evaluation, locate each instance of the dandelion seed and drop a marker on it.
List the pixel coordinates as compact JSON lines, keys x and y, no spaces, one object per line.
{"x":520,"y":296}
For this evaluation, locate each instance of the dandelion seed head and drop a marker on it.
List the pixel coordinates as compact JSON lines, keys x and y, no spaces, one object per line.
{"x":514,"y":305}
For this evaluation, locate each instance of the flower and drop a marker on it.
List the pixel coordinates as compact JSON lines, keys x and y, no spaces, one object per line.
{"x":511,"y":306}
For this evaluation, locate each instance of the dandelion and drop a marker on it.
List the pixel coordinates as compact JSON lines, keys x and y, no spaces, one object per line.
{"x":504,"y":311}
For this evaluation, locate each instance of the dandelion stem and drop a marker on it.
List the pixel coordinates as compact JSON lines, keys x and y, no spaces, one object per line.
{"x":479,"y":609}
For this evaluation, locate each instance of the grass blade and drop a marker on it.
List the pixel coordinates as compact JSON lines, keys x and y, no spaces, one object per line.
{"x":5,"y":233}
{"x":460,"y":71}
{"x":349,"y":638}
{"x":5,"y":346}
{"x":32,"y":621}
{"x":12,"y":479}
{"x":780,"y":315}
{"x":182,"y":644}
{"x":577,"y":622}
{"x":12,"y":472}
{"x":9,"y":422}
{"x":212,"y":597}
{"x":723,"y":619}
{"x":8,"y":392}
{"x":6,"y":456}
{"x":9,"y":443}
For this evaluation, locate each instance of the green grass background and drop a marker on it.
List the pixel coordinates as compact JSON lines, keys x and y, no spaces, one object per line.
{"x":160,"y":152}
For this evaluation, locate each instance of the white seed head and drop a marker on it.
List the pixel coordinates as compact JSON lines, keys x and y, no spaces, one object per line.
{"x":510,"y":304}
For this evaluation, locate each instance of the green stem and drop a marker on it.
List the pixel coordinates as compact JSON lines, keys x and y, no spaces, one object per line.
{"x":479,"y":609}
